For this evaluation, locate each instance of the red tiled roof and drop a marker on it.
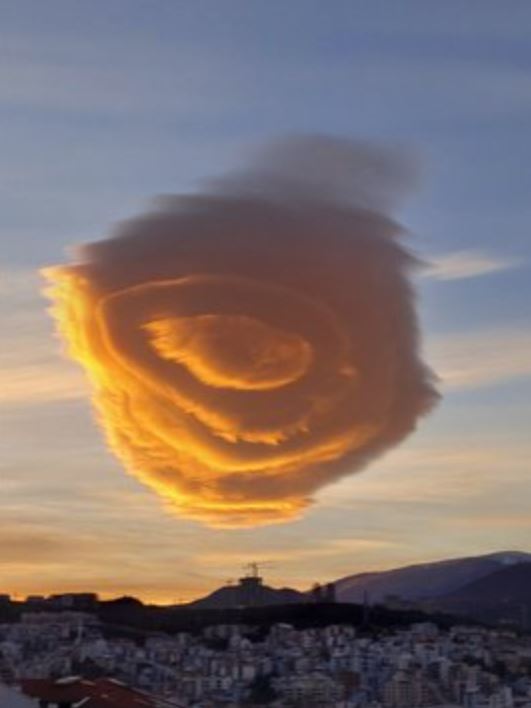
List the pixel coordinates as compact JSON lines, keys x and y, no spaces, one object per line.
{"x":102,"y":693}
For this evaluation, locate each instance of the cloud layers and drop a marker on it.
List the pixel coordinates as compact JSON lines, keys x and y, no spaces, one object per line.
{"x":253,"y":343}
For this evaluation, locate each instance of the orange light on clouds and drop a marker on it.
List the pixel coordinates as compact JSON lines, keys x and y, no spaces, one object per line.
{"x":246,"y":349}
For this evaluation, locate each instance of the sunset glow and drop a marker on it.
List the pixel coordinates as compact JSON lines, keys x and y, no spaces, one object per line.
{"x":265,"y":274}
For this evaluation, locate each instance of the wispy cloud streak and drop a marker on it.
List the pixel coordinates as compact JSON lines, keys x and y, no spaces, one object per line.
{"x":458,"y":265}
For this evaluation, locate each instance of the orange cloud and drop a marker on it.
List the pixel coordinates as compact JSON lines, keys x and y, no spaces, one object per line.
{"x":249,"y":345}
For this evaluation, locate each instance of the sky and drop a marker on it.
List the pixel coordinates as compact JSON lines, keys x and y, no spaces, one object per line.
{"x":108,"y":104}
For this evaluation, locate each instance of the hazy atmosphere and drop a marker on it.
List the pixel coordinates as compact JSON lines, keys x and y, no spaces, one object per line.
{"x":108,"y":110}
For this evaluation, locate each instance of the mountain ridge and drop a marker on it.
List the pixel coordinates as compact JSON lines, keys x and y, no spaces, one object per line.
{"x":424,"y":581}
{"x":502,"y":596}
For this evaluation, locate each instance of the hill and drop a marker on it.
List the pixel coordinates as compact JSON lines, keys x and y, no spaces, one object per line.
{"x":425,"y":581}
{"x":245,"y":594}
{"x":502,"y":596}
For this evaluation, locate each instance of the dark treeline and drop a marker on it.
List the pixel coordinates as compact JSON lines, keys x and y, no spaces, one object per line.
{"x":129,"y":617}
{"x":129,"y":613}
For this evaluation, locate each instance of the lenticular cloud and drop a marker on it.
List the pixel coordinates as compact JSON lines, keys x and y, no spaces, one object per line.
{"x":254,"y":342}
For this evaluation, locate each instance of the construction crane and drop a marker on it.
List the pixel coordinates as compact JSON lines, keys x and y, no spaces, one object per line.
{"x":253,"y":569}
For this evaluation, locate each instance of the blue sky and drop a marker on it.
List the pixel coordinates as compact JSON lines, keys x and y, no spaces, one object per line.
{"x":106,"y":104}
